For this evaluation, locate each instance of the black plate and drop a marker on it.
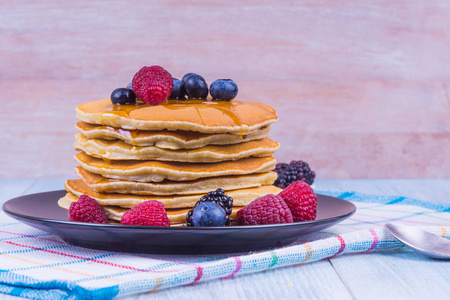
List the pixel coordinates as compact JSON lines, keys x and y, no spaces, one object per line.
{"x":42,"y":211}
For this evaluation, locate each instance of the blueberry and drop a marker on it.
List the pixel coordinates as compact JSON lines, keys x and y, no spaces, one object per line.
{"x":208,"y":214}
{"x":178,"y":92}
{"x":186,"y":76}
{"x":196,"y":87}
{"x":223,"y":89}
{"x":123,"y":96}
{"x":130,"y":86}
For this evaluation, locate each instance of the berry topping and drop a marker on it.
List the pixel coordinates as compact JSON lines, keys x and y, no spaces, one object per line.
{"x":178,"y":92}
{"x":208,"y":214}
{"x":196,"y":87}
{"x":295,"y":170}
{"x":301,"y":200}
{"x":148,"y":213}
{"x":218,"y":196}
{"x":123,"y":96}
{"x":152,"y":84}
{"x":130,"y":86}
{"x":223,"y":89}
{"x":268,"y":209}
{"x":87,"y":210}
{"x":183,"y":80}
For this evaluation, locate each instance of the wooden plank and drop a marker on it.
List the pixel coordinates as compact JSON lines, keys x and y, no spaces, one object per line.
{"x":10,"y":188}
{"x":394,"y":274}
{"x":340,"y":136}
{"x":357,"y":94}
{"x":310,"y":281}
{"x":316,"y":40}
{"x":46,"y":185}
{"x":430,"y":190}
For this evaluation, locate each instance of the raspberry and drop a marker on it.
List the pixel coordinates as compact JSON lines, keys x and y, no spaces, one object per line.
{"x":295,"y":170}
{"x":148,"y":213}
{"x":268,"y":209}
{"x":302,"y":201}
{"x":87,"y":210}
{"x":152,"y":84}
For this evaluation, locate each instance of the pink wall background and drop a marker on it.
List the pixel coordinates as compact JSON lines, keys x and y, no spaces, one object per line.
{"x":362,"y":90}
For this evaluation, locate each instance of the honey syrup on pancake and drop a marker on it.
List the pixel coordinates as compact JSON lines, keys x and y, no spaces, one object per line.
{"x":206,"y":111}
{"x":201,"y":106}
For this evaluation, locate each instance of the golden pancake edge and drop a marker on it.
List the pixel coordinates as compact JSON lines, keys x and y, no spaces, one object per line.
{"x":101,"y":184}
{"x":166,"y":139}
{"x":241,"y":197}
{"x":157,"y":171}
{"x":119,"y":150}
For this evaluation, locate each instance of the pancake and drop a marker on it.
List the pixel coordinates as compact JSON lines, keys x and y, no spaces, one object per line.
{"x":157,"y":171}
{"x":236,"y":116}
{"x":241,"y":197}
{"x":119,"y":150}
{"x":101,"y":184}
{"x":165,"y":139}
{"x":115,"y":213}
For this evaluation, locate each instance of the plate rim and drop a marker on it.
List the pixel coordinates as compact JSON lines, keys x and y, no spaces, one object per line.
{"x":169,"y":228}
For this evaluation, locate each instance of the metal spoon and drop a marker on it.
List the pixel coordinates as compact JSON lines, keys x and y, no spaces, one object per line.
{"x":421,"y":241}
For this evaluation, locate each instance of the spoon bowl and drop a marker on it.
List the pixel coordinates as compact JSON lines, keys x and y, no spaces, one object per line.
{"x":421,"y":241}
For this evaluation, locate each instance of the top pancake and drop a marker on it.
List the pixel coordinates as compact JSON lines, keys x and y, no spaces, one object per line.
{"x":236,"y":116}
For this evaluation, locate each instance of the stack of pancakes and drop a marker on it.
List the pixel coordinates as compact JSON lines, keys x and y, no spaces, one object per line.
{"x":174,"y":152}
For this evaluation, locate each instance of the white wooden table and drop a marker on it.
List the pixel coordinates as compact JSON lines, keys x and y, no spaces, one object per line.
{"x":378,"y":275}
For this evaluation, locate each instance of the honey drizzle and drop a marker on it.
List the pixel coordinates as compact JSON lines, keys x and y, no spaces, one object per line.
{"x":201,"y":106}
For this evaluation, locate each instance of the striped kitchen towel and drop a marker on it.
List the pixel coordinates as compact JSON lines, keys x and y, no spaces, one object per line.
{"x":36,"y":264}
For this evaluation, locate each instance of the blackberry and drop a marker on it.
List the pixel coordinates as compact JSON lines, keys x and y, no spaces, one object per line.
{"x":295,"y":170}
{"x":218,"y":196}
